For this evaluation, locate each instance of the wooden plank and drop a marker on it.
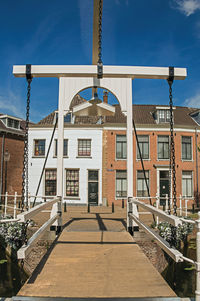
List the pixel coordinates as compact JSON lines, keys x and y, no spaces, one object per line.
{"x":108,"y":71}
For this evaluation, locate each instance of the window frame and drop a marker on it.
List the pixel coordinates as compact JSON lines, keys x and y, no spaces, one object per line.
{"x":123,"y":157}
{"x":72,"y":196}
{"x":137,"y":151}
{"x":34,"y":148}
{"x":166,"y":115}
{"x":50,"y":169}
{"x":191,"y":148}
{"x":84,"y":156}
{"x":192,"y":184}
{"x":55,"y":150}
{"x":119,"y":197}
{"x":158,"y":142}
{"x":143,"y":183}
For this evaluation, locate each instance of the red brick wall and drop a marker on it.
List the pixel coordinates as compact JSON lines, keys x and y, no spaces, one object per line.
{"x":110,"y":164}
{"x":15,"y":146}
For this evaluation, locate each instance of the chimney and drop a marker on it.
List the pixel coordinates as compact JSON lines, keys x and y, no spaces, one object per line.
{"x":105,"y":96}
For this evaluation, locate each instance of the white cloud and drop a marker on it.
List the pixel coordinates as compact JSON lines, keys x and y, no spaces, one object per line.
{"x":187,"y":7}
{"x":11,"y":104}
{"x":193,"y":101}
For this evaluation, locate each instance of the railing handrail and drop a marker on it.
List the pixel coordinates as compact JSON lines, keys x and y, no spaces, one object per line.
{"x":26,"y":215}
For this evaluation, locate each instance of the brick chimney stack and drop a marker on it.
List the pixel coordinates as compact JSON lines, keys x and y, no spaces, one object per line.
{"x":105,"y":96}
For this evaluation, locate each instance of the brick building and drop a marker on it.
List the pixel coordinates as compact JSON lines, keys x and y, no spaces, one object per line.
{"x":11,"y":149}
{"x":152,"y":123}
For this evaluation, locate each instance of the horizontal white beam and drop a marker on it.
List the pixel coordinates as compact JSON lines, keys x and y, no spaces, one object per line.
{"x":26,"y":215}
{"x":173,"y":220}
{"x":25,"y":249}
{"x":173,"y":253}
{"x":91,"y":71}
{"x":14,"y":220}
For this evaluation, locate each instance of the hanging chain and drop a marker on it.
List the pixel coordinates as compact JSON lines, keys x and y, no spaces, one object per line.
{"x":100,"y":63}
{"x":25,"y":162}
{"x":172,"y":146}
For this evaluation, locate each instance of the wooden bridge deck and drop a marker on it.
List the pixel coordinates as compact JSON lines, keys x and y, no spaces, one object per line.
{"x":99,"y":264}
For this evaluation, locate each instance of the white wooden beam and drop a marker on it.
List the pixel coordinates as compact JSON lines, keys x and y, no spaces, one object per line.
{"x":108,"y":71}
{"x":25,"y":249}
{"x":172,"y":252}
{"x":26,"y":215}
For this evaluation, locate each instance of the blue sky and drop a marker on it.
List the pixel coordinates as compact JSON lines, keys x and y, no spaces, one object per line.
{"x":140,"y":33}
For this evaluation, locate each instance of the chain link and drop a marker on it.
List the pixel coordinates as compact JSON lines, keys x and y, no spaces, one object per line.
{"x":100,"y":63}
{"x":172,"y":151}
{"x":25,"y":162}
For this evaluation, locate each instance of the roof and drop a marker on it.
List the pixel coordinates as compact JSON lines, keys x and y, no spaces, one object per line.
{"x":4,"y":128}
{"x":144,"y":115}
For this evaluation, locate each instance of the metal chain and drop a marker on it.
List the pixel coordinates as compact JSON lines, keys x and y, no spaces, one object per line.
{"x":100,"y":63}
{"x":172,"y":146}
{"x":25,"y":161}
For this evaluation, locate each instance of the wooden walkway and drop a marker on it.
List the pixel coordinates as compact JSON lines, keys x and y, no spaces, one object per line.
{"x":101,"y":264}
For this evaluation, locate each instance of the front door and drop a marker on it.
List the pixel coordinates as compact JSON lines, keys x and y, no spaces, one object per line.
{"x":164,"y":186}
{"x":93,"y":185}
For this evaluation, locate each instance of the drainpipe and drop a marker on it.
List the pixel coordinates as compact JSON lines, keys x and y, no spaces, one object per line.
{"x":2,"y":166}
{"x":197,"y":176}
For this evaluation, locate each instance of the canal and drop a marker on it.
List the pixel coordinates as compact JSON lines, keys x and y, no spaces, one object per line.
{"x":11,"y":276}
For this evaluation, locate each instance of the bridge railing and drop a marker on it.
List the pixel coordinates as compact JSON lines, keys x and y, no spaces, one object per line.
{"x":176,"y":255}
{"x":55,"y":218}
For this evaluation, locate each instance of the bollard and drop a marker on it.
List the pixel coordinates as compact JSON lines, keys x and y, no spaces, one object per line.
{"x":88,"y":208}
{"x":197,"y":292}
{"x":193,"y":210}
{"x":113,"y":207}
{"x":15,"y":204}
{"x":6,"y":204}
{"x":65,"y":207}
{"x":19,"y":204}
{"x":122,"y":203}
{"x":45,"y":199}
{"x":157,"y":207}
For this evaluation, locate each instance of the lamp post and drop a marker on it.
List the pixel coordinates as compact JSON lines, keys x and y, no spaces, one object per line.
{"x":6,"y":159}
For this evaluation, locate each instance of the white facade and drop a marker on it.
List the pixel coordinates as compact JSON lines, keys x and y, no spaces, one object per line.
{"x":72,"y":161}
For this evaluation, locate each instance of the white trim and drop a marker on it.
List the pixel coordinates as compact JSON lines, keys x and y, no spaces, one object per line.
{"x":164,"y":108}
{"x":157,"y":129}
{"x":187,"y":160}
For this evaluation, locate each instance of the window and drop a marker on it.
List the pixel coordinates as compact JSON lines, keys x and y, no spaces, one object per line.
{"x":186,"y":148}
{"x":141,"y":184}
{"x":84,"y":147}
{"x":121,"y":183}
{"x":67,"y":118}
{"x":72,"y":182}
{"x":144,"y":147}
{"x":163,"y":116}
{"x":12,"y":123}
{"x":39,"y":147}
{"x":187,"y":184}
{"x":163,"y":147}
{"x":65,"y":148}
{"x":50,"y":181}
{"x":121,"y":148}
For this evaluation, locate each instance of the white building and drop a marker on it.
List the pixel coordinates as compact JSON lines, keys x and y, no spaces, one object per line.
{"x":82,"y":172}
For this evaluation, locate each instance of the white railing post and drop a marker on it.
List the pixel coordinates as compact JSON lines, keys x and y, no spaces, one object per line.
{"x":180,"y":201}
{"x":6,"y":203}
{"x":166,"y":203}
{"x":197,"y":292}
{"x":186,"y":206}
{"x":15,"y":204}
{"x":29,"y":201}
{"x":157,"y":207}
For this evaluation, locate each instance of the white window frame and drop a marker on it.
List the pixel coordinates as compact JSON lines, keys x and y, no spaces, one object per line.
{"x":192,"y":184}
{"x":138,"y":159}
{"x":120,"y":159}
{"x":191,"y":149}
{"x":39,"y":156}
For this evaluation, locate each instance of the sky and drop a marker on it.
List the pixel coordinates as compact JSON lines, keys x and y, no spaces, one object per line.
{"x":158,"y":33}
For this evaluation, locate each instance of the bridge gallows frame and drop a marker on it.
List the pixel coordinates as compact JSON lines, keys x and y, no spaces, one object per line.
{"x":116,"y":79}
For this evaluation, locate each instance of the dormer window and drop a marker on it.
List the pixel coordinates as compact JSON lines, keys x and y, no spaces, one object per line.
{"x":67,"y":117}
{"x":196,"y":117}
{"x":11,"y":122}
{"x":163,"y":116}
